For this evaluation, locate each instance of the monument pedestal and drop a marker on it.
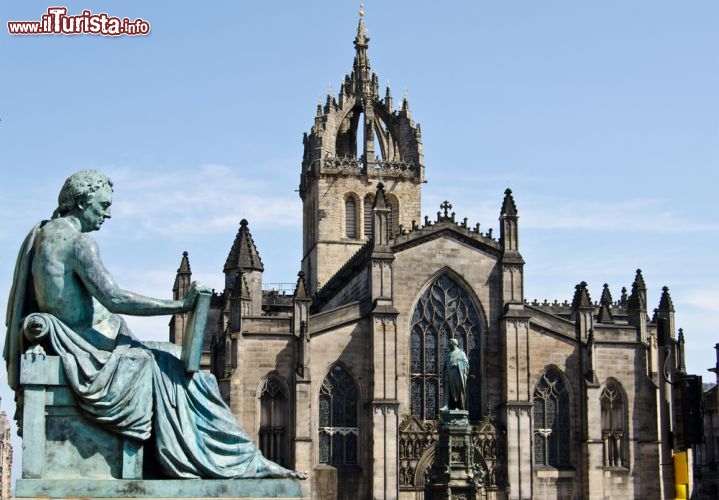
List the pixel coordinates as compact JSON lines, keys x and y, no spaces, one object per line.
{"x":244,"y":489}
{"x":65,"y":456}
{"x":454,"y":474}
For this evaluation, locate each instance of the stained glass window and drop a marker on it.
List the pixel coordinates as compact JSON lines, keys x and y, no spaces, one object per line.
{"x":273,"y":421}
{"x":444,"y":311}
{"x":613,"y":436}
{"x":338,"y":407}
{"x":551,"y":420}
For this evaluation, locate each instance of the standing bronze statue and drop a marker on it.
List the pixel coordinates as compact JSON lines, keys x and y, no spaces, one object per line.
{"x":137,"y":389}
{"x":454,"y":377}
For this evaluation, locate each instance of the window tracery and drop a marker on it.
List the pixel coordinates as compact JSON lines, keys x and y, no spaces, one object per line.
{"x":444,"y":311}
{"x":551,"y":421}
{"x":613,"y":432}
{"x":338,"y":428}
{"x":273,"y":421}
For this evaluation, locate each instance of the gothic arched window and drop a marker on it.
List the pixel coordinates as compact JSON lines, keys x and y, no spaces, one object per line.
{"x":444,"y":311}
{"x":338,"y":429}
{"x":274,"y":411}
{"x":351,"y":218}
{"x":551,"y":420}
{"x":613,"y":435}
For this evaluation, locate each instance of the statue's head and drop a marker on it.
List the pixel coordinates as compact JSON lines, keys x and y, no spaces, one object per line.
{"x":453,"y":343}
{"x":88,"y":194}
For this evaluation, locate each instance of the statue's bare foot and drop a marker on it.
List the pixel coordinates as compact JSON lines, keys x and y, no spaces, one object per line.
{"x":299,"y":475}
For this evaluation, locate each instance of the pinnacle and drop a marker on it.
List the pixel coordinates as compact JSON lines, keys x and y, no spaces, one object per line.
{"x":379,"y":200}
{"x":606,"y":296}
{"x":581,"y":298}
{"x":509,"y":208}
{"x":301,"y":288}
{"x":184,"y":264}
{"x":637,"y":298}
{"x":665,"y":303}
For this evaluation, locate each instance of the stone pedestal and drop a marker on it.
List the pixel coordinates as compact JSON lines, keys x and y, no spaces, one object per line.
{"x":66,"y":456}
{"x":454,"y":474}
{"x":224,"y":489}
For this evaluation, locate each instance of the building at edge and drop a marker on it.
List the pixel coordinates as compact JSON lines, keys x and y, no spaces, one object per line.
{"x":341,"y":377}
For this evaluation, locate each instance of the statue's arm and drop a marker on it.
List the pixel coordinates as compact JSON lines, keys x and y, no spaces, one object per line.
{"x":100,"y":283}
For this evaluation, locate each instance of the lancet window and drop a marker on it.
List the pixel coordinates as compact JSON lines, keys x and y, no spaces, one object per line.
{"x":551,"y":420}
{"x":338,"y":429}
{"x":350,"y":218}
{"x":273,"y":421}
{"x":613,"y":431}
{"x":444,"y":311}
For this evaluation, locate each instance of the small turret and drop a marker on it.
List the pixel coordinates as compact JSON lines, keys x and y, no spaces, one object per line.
{"x":182,"y":279}
{"x":243,"y":257}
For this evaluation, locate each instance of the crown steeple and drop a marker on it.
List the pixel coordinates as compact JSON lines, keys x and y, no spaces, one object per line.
{"x":358,"y":137}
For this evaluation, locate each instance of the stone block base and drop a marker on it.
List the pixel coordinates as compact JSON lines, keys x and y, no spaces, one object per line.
{"x":245,"y":489}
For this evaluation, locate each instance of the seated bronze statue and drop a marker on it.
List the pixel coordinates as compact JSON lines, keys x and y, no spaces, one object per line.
{"x":139,"y":390}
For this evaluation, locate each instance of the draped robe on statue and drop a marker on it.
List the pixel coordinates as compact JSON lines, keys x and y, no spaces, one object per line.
{"x":455,"y":372}
{"x":139,"y":389}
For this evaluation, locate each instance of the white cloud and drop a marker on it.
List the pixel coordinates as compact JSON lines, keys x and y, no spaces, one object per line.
{"x":202,"y":201}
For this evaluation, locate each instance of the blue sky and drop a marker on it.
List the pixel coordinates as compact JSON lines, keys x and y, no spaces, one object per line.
{"x":602,"y":117}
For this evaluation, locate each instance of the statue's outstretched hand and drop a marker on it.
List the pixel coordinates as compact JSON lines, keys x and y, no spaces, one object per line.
{"x":192,"y":293}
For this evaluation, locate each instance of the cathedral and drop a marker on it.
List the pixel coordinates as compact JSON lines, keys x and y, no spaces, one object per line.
{"x":341,"y":376}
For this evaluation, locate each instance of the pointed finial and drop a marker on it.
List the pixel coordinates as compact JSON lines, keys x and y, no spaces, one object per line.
{"x":509,"y":208}
{"x":329,"y":88}
{"x":665,"y":302}
{"x":361,"y":11}
{"x":581,"y":298}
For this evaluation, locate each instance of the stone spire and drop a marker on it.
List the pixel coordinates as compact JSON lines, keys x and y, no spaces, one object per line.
{"x":361,"y":71}
{"x":182,"y":279}
{"x":244,"y":258}
{"x":243,"y":254}
{"x":359,"y":137}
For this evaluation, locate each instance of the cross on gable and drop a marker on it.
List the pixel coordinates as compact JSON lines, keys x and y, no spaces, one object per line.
{"x":446,"y":206}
